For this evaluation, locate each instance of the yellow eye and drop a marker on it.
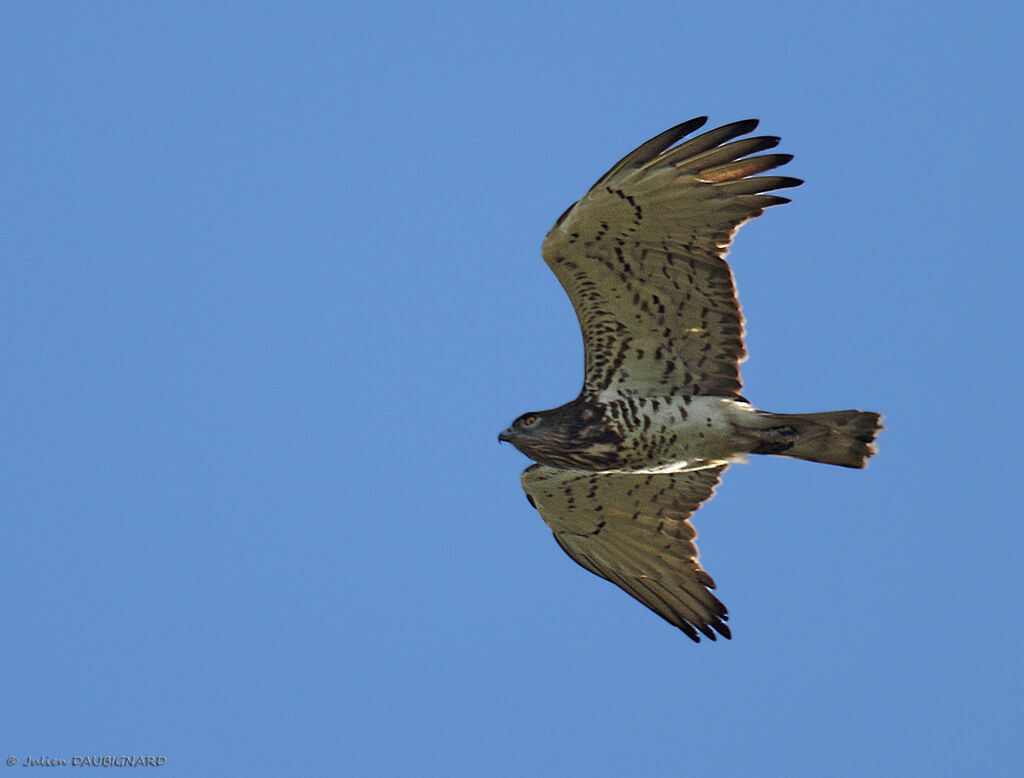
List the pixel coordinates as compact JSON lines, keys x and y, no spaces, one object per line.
{"x":529,"y":420}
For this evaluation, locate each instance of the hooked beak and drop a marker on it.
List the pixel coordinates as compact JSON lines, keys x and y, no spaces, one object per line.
{"x":506,"y":436}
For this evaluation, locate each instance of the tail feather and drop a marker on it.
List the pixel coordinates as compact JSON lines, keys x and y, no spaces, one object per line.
{"x":843,"y":438}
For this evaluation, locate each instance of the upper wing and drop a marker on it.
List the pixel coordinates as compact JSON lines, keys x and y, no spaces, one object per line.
{"x":641,"y":256}
{"x":631,"y":529}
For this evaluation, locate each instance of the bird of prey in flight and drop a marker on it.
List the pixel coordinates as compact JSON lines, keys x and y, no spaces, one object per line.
{"x":621,"y":468}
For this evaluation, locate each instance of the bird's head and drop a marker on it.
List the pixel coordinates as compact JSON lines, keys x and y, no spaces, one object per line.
{"x":564,"y":436}
{"x":532,"y":432}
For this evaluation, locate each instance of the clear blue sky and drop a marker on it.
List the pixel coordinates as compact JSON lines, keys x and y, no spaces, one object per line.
{"x":271,"y":285}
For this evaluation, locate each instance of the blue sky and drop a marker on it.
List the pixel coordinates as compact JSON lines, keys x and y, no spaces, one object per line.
{"x":271,"y":285}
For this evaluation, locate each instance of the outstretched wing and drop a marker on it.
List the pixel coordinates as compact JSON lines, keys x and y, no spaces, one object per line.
{"x":631,"y":529}
{"x":641,"y":256}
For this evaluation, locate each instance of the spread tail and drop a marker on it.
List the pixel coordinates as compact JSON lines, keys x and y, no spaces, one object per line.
{"x":836,"y":437}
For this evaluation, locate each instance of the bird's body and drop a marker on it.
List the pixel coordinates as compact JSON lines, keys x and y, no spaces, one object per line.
{"x":620,"y":468}
{"x":642,"y":433}
{"x":668,"y":431}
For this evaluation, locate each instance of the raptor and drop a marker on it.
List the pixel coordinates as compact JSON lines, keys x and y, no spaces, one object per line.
{"x":620,"y":469}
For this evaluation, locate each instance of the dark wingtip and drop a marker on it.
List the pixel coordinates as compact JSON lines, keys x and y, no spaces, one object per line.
{"x":689,"y":631}
{"x":708,"y":630}
{"x":743,"y":126}
{"x":689,"y":126}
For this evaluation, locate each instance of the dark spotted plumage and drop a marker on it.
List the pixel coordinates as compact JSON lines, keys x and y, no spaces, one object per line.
{"x":651,"y":288}
{"x":621,"y":467}
{"x":631,"y":529}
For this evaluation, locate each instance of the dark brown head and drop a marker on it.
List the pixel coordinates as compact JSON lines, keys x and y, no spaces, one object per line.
{"x":573,"y":435}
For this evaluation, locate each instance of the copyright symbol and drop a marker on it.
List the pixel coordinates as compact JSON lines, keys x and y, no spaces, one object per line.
{"x":12,"y":760}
